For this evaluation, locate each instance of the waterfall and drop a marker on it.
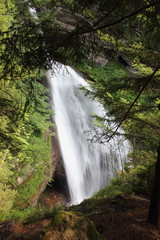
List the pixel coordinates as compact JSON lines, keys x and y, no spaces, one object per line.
{"x":89,"y":166}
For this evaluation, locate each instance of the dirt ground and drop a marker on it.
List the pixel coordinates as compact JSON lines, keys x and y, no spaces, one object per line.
{"x":129,"y":224}
{"x":123,"y":219}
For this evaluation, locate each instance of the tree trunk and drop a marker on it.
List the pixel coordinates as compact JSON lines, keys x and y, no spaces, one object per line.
{"x":154,"y":210}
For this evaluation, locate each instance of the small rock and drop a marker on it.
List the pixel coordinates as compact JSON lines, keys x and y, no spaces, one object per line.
{"x":101,"y":61}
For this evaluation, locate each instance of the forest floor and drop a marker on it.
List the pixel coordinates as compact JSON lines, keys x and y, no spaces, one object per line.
{"x":120,"y":218}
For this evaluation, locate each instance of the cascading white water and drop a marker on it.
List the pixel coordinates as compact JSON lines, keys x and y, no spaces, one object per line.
{"x":88,"y":166}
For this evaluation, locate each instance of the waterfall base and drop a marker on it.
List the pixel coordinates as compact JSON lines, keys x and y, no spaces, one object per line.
{"x":55,"y":194}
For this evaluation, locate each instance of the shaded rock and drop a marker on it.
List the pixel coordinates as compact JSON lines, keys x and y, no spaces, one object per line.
{"x":59,"y":184}
{"x":56,"y":192}
{"x":25,"y":173}
{"x":52,"y":198}
{"x":67,"y":20}
{"x":101,"y":61}
{"x":71,"y":226}
{"x":123,"y":61}
{"x":55,"y":162}
{"x":49,"y":170}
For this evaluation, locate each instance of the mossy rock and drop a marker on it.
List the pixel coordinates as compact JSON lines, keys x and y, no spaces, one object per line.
{"x":71,"y":226}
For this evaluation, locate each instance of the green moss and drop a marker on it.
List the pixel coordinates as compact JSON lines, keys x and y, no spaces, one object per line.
{"x":108,"y":192}
{"x":59,"y":217}
{"x":110,"y":71}
{"x":71,"y":225}
{"x":92,"y":233}
{"x":29,"y":188}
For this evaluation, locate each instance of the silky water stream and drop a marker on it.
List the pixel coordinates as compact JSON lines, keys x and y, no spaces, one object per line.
{"x":88,"y":165}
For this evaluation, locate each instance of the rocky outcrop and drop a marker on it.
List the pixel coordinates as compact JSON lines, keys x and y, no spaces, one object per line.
{"x":98,"y":60}
{"x":101,"y":61}
{"x":55,"y":171}
{"x":67,"y":20}
{"x":71,"y":226}
{"x":59,"y":175}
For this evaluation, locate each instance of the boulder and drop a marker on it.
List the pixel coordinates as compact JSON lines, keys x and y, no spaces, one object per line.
{"x":71,"y":226}
{"x":101,"y":61}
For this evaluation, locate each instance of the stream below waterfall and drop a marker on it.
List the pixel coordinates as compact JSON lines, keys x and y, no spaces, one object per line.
{"x":88,"y":165}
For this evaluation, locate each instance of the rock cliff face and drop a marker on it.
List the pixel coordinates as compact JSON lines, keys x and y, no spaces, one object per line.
{"x":56,"y":172}
{"x":49,"y":173}
{"x":58,"y":175}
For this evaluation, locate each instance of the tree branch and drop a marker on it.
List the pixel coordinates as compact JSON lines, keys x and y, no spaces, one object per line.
{"x":147,"y":123}
{"x":107,"y":14}
{"x":119,"y":20}
{"x":152,"y":75}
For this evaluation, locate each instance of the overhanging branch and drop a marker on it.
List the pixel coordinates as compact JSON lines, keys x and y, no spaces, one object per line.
{"x":125,"y":116}
{"x":119,"y":20}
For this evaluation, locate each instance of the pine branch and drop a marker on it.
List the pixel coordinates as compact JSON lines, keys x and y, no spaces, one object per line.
{"x":119,"y":20}
{"x":107,"y":14}
{"x":125,"y":116}
{"x":147,"y":123}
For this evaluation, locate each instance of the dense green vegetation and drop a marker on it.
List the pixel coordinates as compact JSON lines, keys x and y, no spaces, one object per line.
{"x":108,"y":83}
{"x":24,"y":151}
{"x":128,"y":89}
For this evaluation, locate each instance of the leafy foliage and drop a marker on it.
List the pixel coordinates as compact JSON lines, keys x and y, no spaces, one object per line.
{"x":30,"y":43}
{"x":7,"y":194}
{"x":25,"y":117}
{"x":137,"y":180}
